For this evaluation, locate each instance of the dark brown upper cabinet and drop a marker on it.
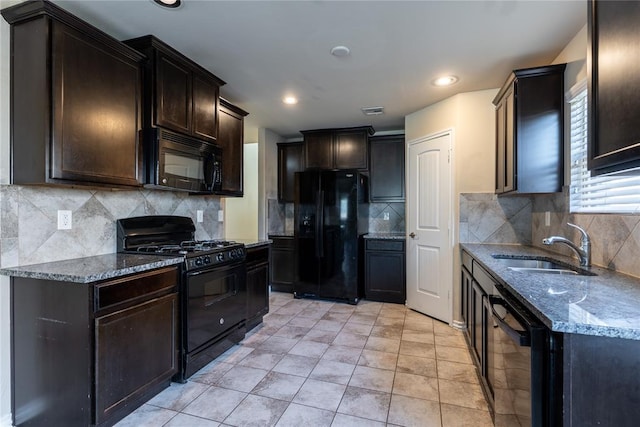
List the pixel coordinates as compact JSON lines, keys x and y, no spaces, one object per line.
{"x":386,"y":168}
{"x":530,"y":131}
{"x":231,"y":140}
{"x":290,"y":161}
{"x":179,"y":94}
{"x":344,"y":148}
{"x":76,"y":101}
{"x":614,"y":134}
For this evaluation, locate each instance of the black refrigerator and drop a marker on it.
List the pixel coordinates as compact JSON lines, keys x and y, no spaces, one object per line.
{"x":331,"y":212}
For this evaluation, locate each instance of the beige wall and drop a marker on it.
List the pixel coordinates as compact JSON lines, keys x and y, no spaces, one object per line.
{"x":471,"y":116}
{"x":241,"y":213}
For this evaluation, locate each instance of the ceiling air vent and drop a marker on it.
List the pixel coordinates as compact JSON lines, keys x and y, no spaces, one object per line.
{"x":372,"y":111}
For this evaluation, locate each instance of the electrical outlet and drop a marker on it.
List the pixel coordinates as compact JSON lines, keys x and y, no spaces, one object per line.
{"x":385,"y":216}
{"x":200,"y":216}
{"x":64,"y":220}
{"x":220,"y":215}
{"x":547,"y":218}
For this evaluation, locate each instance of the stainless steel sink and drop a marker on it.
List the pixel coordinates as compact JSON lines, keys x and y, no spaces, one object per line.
{"x":538,"y":264}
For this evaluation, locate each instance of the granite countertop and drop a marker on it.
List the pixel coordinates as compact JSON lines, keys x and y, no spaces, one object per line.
{"x":386,"y":236}
{"x":251,"y":243}
{"x":91,"y":269}
{"x":607,"y":304}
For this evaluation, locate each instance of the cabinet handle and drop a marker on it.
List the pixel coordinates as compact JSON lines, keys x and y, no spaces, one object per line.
{"x":412,"y":235}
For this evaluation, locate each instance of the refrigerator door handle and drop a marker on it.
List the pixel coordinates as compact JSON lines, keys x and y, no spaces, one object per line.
{"x":320,"y":224}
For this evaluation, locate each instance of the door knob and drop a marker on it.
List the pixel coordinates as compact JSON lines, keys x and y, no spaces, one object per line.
{"x":412,"y":235}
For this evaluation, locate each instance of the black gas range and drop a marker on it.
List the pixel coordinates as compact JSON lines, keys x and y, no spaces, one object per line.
{"x":213,"y":294}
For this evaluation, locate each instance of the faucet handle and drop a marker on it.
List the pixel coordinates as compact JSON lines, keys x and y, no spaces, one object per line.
{"x":585,"y":236}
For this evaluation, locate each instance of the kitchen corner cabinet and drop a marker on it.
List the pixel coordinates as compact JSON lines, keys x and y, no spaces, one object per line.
{"x":530,"y":131}
{"x":179,"y":94}
{"x":76,"y":101}
{"x":282,"y":268}
{"x":231,"y":140}
{"x":477,"y":285}
{"x":344,"y":148}
{"x":290,"y":161}
{"x":89,"y":354}
{"x":614,"y":135}
{"x":384,"y":271}
{"x":386,"y":169}
{"x":257,"y":285}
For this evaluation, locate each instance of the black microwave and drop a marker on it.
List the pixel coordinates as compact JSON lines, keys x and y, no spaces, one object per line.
{"x":178,"y":162}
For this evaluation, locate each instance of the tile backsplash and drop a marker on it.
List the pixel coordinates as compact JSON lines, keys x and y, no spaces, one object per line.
{"x":28,"y":219}
{"x":615,"y":238}
{"x":280,"y":217}
{"x":487,"y":218}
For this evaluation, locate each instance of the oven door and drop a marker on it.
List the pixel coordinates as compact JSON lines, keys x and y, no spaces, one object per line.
{"x":216,"y":302}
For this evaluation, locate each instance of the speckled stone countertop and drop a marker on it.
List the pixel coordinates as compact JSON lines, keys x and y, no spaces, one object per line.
{"x":386,"y":236}
{"x":607,"y":304}
{"x":253,"y":243}
{"x":91,"y":269}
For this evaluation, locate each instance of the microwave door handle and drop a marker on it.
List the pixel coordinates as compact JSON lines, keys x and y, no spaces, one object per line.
{"x":523,"y":339}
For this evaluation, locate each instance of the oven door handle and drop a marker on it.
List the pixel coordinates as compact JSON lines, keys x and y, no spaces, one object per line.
{"x":522,"y":338}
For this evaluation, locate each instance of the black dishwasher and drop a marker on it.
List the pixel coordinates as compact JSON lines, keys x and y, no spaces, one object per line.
{"x":522,"y":358}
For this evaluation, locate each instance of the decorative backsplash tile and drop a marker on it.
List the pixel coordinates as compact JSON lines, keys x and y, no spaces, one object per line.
{"x":615,"y":238}
{"x":280,"y":217}
{"x":487,"y":218}
{"x":28,"y":219}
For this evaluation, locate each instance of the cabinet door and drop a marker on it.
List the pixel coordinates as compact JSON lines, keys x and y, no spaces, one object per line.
{"x":614,"y":134}
{"x":205,"y":108}
{"x":318,"y":149}
{"x":385,"y":276}
{"x":257,"y":293}
{"x":173,"y":95}
{"x":96,"y":111}
{"x":465,"y":308}
{"x":231,"y":141}
{"x":282,"y":266}
{"x":479,"y":323}
{"x":351,"y":150}
{"x":386,"y":169}
{"x":134,"y":349}
{"x":290,"y":161}
{"x":509,"y":142}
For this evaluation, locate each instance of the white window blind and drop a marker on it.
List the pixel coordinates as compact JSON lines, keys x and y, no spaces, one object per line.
{"x":599,"y":194}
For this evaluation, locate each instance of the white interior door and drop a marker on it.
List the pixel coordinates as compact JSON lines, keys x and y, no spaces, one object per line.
{"x":429,"y":246}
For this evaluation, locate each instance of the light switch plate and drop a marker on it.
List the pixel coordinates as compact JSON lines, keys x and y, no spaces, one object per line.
{"x":199,"y":216}
{"x":220,"y":215}
{"x":385,"y":216}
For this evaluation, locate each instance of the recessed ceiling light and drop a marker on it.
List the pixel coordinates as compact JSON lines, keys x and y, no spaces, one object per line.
{"x":290,"y":100}
{"x":340,"y":51}
{"x":171,"y":4}
{"x":445,"y":81}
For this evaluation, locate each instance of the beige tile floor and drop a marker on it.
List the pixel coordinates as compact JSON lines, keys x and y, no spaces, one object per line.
{"x":318,"y":363}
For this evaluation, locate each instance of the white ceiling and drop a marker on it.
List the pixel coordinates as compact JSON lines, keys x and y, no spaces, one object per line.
{"x":266,"y":49}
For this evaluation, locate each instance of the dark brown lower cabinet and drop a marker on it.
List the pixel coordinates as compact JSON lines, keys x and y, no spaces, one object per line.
{"x":89,"y":354}
{"x":283,"y":269}
{"x":257,"y":285}
{"x":384,"y":277}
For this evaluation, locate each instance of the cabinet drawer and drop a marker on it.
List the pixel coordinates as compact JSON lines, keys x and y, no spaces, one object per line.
{"x":483,"y":278}
{"x":258,"y":255}
{"x":283,"y":242}
{"x":133,"y":289}
{"x":384,"y":245}
{"x":467,"y":261}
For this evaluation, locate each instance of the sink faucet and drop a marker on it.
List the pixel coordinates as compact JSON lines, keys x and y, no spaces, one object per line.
{"x":583,"y":252}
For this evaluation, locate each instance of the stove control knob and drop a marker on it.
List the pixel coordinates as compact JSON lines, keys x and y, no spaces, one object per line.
{"x":198,"y":261}
{"x":207,"y":260}
{"x":220,"y":257}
